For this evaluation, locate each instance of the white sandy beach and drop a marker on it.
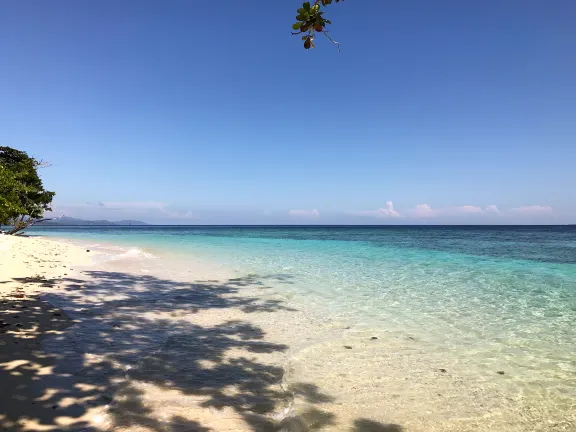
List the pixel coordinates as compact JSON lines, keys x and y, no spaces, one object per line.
{"x":120,"y":343}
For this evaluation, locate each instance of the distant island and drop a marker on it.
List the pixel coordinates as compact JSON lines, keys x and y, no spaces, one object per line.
{"x":69,"y":221}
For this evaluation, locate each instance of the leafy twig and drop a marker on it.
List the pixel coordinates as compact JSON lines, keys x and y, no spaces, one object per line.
{"x":311,"y":21}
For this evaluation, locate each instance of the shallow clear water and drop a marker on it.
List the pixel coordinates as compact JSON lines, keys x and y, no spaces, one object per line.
{"x":496,"y":296}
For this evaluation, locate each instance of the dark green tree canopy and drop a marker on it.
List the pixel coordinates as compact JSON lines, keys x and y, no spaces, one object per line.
{"x":311,"y":21}
{"x":23,"y":198}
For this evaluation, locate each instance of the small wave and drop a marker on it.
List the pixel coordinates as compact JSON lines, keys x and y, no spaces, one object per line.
{"x":132,"y":253}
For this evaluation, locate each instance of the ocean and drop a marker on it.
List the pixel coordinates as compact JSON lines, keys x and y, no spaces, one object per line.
{"x":488,"y":301}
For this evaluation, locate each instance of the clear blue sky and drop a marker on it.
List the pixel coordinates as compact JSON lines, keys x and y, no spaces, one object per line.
{"x":211,"y":112}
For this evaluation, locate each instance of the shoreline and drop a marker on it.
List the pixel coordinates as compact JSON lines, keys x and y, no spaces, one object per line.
{"x":157,"y":344}
{"x":74,"y":289}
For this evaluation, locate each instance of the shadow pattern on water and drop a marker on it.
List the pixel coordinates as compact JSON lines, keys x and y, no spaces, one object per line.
{"x":126,"y":332}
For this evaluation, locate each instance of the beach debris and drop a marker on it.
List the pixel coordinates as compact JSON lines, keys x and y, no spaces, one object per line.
{"x":373,"y":338}
{"x":347,"y":347}
{"x":442,"y":370}
{"x":500,"y":372}
{"x":87,"y":250}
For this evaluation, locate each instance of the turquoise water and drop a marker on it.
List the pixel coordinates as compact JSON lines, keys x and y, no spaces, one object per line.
{"x":502,"y":296}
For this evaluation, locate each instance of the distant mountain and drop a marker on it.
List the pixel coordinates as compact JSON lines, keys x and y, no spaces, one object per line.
{"x":129,"y":222}
{"x":70,"y":221}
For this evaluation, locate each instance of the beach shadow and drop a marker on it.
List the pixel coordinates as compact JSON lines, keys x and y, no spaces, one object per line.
{"x":311,"y":419}
{"x":129,"y":354}
{"x":366,"y":425}
{"x":32,"y":391}
{"x":41,"y":281}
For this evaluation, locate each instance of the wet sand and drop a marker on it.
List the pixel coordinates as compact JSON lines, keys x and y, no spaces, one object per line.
{"x":119,"y":342}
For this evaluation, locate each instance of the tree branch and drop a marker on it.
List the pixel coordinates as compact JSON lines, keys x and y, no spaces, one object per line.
{"x":332,"y":40}
{"x":21,"y":225}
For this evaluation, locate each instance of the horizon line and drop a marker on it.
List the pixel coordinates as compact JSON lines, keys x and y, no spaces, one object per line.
{"x":144,"y":225}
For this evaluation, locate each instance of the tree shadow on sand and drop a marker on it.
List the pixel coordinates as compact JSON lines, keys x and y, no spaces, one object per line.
{"x":131,"y":357}
{"x":366,"y":425}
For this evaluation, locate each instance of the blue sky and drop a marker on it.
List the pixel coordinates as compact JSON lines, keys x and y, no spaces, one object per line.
{"x":211,"y":112}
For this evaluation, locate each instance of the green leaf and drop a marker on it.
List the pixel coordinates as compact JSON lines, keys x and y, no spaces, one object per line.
{"x":301,"y":11}
{"x":301,"y":17}
{"x":306,"y":6}
{"x":304,"y":37}
{"x":297,"y":25}
{"x":22,"y":193}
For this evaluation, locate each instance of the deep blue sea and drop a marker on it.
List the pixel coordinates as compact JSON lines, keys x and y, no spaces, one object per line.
{"x":499,"y":295}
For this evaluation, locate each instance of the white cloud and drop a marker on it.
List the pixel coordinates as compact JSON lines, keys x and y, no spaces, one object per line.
{"x":423,"y":211}
{"x":426,"y":211}
{"x":466,"y":209}
{"x":132,"y":205}
{"x":151,"y":207}
{"x":492,"y":209}
{"x":533,"y":210}
{"x":178,"y":213}
{"x":305,"y":213}
{"x":114,"y":210}
{"x":381,"y":212}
